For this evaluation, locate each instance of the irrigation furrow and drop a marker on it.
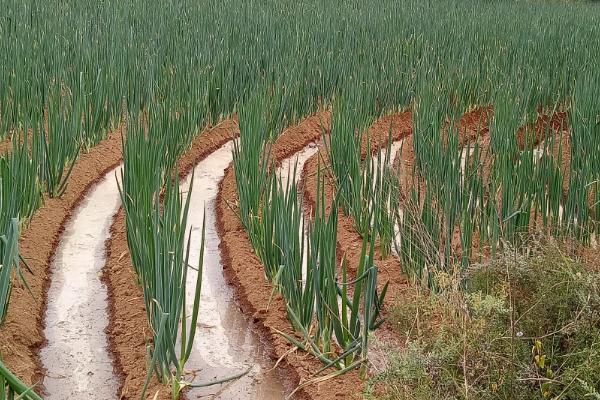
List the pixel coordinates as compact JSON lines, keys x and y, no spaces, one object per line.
{"x":225,"y":344}
{"x":76,"y":356}
{"x":128,"y":330}
{"x":246,"y":273}
{"x":471,"y":128}
{"x":557,"y":146}
{"x":293,"y":165}
{"x":349,"y":241}
{"x":474,"y":128}
{"x":22,"y":334}
{"x":292,"y":168}
{"x":398,"y":129}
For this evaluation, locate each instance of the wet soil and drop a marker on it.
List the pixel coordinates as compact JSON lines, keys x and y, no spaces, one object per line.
{"x":349,"y":241}
{"x":128,"y":330}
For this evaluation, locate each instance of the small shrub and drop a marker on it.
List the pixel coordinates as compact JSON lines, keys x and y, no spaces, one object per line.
{"x":525,"y":326}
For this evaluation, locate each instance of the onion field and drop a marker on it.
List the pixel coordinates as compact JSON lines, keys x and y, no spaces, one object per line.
{"x":300,"y":199}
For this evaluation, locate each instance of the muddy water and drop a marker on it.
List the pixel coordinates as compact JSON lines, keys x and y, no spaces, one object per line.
{"x":76,"y":357}
{"x":225,"y":344}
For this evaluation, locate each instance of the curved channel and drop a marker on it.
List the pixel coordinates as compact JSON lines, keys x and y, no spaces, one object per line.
{"x":225,"y":344}
{"x":76,"y":359}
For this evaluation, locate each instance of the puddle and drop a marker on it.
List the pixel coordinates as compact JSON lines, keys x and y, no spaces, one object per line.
{"x":225,"y":344}
{"x":76,"y":358}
